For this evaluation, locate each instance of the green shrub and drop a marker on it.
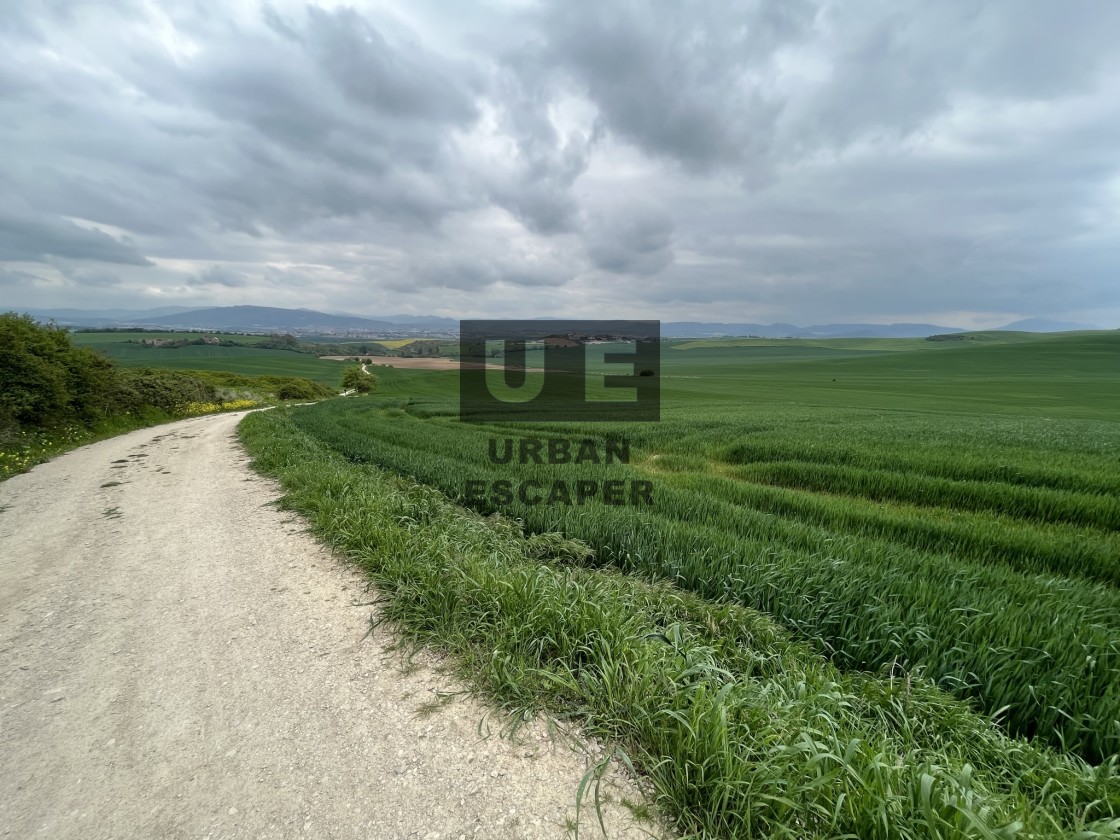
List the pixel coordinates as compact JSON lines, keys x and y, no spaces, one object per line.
{"x":33,"y":370}
{"x":298,"y":389}
{"x":265,"y":387}
{"x":162,"y":389}
{"x":356,"y":379}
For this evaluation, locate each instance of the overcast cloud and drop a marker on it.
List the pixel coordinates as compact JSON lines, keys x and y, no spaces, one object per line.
{"x":806,"y":161}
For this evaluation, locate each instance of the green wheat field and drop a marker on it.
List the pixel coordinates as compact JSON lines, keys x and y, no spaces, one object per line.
{"x":876,"y":594}
{"x":125,"y":349}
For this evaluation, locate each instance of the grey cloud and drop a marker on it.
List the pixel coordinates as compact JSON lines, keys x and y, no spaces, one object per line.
{"x":543,"y":208}
{"x":478,"y":271}
{"x":675,"y":78}
{"x":448,"y":273}
{"x":631,"y":241}
{"x":88,"y":278}
{"x":894,"y":68}
{"x":546,"y":166}
{"x":33,"y":19}
{"x":15,"y":279}
{"x":403,"y":80}
{"x":757,"y":84}
{"x":219,"y":276}
{"x":28,"y":235}
{"x":256,"y":129}
{"x":810,"y":159}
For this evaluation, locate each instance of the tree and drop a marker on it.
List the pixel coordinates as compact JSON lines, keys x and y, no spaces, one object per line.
{"x":44,"y":379}
{"x":356,"y":379}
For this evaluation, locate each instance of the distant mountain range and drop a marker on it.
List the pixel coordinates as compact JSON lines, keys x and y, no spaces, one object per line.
{"x":268,"y":318}
{"x":692,"y":329}
{"x":99,"y":316}
{"x":310,"y":322}
{"x":1045,"y":325}
{"x":249,"y":319}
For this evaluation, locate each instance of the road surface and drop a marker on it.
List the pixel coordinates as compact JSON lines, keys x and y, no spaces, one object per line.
{"x":179,"y":659}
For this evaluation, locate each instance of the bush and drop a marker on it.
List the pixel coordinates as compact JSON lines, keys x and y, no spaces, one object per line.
{"x":298,"y":389}
{"x":282,"y":342}
{"x":167,"y":390}
{"x":47,"y":380}
{"x":356,"y":379}
{"x":264,"y":387}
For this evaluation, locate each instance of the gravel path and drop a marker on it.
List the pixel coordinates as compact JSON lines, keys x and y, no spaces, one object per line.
{"x":179,"y":659}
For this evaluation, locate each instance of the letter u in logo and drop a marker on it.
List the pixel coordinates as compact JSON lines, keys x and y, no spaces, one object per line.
{"x":511,"y":382}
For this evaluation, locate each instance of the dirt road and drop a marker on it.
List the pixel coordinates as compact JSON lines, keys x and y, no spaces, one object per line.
{"x":179,"y":659}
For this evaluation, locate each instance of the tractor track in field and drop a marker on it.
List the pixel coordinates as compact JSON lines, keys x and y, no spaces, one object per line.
{"x":179,"y":659}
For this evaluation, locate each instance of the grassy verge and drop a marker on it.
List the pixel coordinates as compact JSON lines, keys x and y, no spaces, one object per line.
{"x":742,"y":731}
{"x":21,"y":451}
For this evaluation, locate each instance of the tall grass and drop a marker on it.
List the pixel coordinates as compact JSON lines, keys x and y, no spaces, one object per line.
{"x":902,"y":596}
{"x":1014,"y":465}
{"x":743,"y":732}
{"x":1042,"y":503}
{"x":1053,"y":548}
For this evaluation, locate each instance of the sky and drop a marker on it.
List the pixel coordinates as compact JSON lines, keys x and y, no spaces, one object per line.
{"x":804,"y":161}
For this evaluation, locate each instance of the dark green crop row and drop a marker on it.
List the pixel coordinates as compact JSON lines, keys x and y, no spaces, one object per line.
{"x":1024,"y":545}
{"x":1041,"y":650}
{"x":1031,"y":503}
{"x":1015,"y":466}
